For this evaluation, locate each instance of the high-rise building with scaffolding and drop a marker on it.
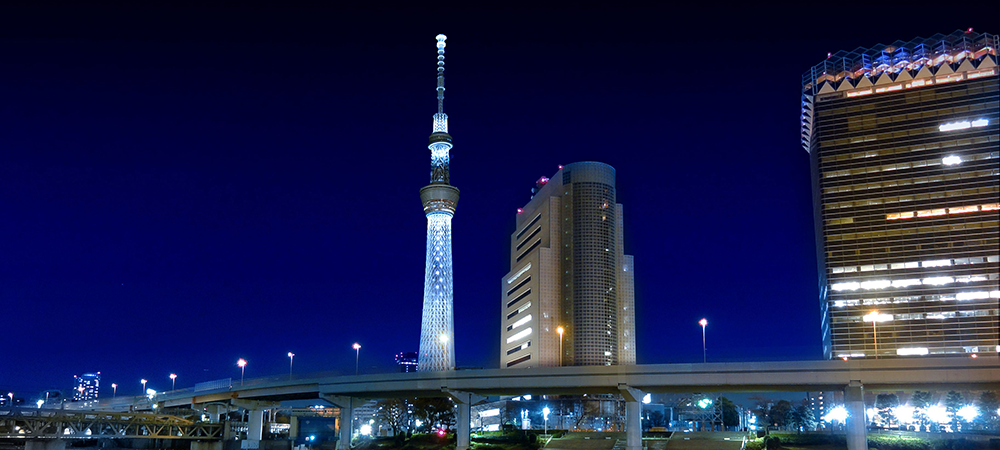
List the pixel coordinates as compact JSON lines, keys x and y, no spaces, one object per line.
{"x":568,"y":298}
{"x":904,"y":143}
{"x":437,"y":325}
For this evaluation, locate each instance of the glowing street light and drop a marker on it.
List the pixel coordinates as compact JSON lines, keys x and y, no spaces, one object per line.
{"x":704,"y":350}
{"x":291,"y":358}
{"x":143,"y":381}
{"x":545,"y":415}
{"x":173,"y":381}
{"x":560,"y":330}
{"x":114,"y":390}
{"x":11,"y":395}
{"x":40,"y":402}
{"x":242,"y":363}
{"x":357,"y":356}
{"x":875,"y":317}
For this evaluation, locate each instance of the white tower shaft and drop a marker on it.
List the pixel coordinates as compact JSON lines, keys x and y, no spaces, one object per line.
{"x":437,"y":325}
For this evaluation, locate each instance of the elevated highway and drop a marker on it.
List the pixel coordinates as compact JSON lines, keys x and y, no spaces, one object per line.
{"x":467,"y":387}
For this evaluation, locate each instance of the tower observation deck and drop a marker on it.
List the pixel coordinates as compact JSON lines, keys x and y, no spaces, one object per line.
{"x":437,"y":326}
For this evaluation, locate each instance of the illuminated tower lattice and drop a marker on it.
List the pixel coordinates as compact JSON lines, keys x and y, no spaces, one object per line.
{"x":437,"y":346}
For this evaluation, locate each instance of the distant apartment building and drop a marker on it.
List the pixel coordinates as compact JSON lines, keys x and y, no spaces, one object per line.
{"x":568,"y":298}
{"x":904,"y":142}
{"x":86,"y":387}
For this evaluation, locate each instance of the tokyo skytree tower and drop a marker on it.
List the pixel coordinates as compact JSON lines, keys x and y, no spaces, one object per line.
{"x":437,"y":326}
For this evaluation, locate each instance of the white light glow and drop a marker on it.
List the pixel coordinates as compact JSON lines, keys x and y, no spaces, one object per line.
{"x":647,"y":398}
{"x":938,"y":414}
{"x":951,"y":160}
{"x":912,"y":351}
{"x":905,"y":283}
{"x":490,"y":412}
{"x":936,"y":263}
{"x":849,"y":286}
{"x":517,"y":275}
{"x":520,"y":335}
{"x":937,"y":281}
{"x":972,"y":295}
{"x":980,"y":122}
{"x":365,"y":430}
{"x":870,"y":413}
{"x":523,"y":321}
{"x":876,"y":284}
{"x":904,"y":413}
{"x":968,"y":412}
{"x":877,"y":317}
{"x":965,"y":124}
{"x":527,"y":397}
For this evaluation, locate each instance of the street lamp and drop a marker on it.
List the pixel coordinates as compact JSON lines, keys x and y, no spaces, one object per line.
{"x":242,"y":363}
{"x":704,"y":351}
{"x":11,"y":395}
{"x":560,"y":330}
{"x":114,"y":390}
{"x":173,"y":381}
{"x":143,"y":381}
{"x":545,"y":415}
{"x":875,"y":317}
{"x":291,"y":358}
{"x":357,"y":356}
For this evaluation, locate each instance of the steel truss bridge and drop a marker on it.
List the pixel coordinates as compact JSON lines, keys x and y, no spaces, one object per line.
{"x":31,"y":423}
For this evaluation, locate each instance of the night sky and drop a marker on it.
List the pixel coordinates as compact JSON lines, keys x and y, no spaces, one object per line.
{"x":182,"y":187}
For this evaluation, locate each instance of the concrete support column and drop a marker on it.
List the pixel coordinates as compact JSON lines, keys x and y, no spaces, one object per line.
{"x":255,"y":425}
{"x":293,"y":427}
{"x":346,"y":424}
{"x":633,"y":416}
{"x":215,"y":412}
{"x":854,"y":399}
{"x":463,"y":424}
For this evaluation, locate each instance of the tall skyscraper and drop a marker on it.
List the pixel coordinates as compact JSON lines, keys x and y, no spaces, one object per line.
{"x":568,"y":298}
{"x":903,"y":142}
{"x":86,"y":387}
{"x":437,"y":325}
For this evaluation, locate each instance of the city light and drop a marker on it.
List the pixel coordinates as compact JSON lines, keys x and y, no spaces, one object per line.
{"x":951,"y":160}
{"x":838,"y":413}
{"x":904,"y":413}
{"x":704,"y":350}
{"x":357,"y":356}
{"x":938,"y":414}
{"x":291,"y":358}
{"x":704,"y":403}
{"x":968,"y":413}
{"x":365,"y":430}
{"x":114,"y":390}
{"x":143,"y":381}
{"x":242,"y":364}
{"x":173,"y":381}
{"x":647,"y":399}
{"x":40,"y":402}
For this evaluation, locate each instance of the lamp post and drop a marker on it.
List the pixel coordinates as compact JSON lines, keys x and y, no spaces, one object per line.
{"x":143,"y":381}
{"x":545,"y":415}
{"x":875,"y":317}
{"x":173,"y":381}
{"x":291,"y":358}
{"x":357,"y":356}
{"x":242,"y":363}
{"x":560,"y":330}
{"x":704,"y":350}
{"x":114,"y":390}
{"x":11,"y":395}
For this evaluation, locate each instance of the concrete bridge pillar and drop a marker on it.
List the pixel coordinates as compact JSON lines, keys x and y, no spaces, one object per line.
{"x":633,"y":416}
{"x":346,"y":405}
{"x":854,"y":398}
{"x":48,"y":444}
{"x":255,"y":425}
{"x":215,"y":412}
{"x":463,"y":422}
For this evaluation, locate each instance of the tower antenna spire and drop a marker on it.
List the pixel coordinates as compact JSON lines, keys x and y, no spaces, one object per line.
{"x":440,"y":73}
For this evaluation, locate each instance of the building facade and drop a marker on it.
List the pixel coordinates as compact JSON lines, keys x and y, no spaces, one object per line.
{"x":437,"y":323}
{"x":904,"y":142}
{"x":86,"y":387}
{"x":568,"y":298}
{"x":406,"y":362}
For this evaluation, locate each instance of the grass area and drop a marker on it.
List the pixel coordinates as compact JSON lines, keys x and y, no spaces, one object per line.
{"x":492,"y":441}
{"x":880,"y":442}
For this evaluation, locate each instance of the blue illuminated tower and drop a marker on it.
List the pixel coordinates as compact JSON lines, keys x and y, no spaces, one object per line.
{"x":437,"y":326}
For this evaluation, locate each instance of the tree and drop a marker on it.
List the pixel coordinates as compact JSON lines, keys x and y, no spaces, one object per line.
{"x":778,"y":414}
{"x":989,"y":410}
{"x":802,"y":417}
{"x":730,"y":416}
{"x":435,"y":412}
{"x":392,"y":412}
{"x":884,"y":404}
{"x":952,"y":403}
{"x":920,"y":401}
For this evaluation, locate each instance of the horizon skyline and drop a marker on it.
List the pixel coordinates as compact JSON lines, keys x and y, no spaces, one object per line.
{"x":213,"y":190}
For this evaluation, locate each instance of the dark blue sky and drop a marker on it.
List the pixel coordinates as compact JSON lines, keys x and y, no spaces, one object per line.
{"x":181,"y":187}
